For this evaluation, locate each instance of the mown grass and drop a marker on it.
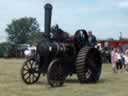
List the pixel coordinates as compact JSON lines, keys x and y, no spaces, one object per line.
{"x":11,"y":84}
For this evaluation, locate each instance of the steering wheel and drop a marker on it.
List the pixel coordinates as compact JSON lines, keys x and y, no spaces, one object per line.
{"x":81,"y":38}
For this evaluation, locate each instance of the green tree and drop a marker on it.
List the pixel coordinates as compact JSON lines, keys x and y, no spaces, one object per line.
{"x":23,"y":30}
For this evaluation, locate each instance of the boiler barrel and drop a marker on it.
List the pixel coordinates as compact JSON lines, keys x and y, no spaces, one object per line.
{"x":53,"y":48}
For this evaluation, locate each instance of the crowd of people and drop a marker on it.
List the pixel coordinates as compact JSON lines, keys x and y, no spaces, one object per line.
{"x":119,"y":56}
{"x":119,"y":59}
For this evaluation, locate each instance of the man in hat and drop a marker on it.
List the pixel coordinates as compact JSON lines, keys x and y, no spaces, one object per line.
{"x":92,"y":39}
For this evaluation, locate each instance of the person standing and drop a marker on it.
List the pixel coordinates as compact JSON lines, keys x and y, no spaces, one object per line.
{"x":122,"y":61}
{"x":126,"y":60}
{"x":119,"y":60}
{"x":92,"y":39}
{"x":114,"y":60}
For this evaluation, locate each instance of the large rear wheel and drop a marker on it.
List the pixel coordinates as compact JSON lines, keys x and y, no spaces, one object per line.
{"x":88,"y":65}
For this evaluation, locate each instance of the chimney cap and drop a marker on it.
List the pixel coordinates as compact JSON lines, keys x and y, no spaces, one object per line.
{"x":48,"y":5}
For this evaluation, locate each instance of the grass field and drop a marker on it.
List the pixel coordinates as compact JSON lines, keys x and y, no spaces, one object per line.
{"x":11,"y":84}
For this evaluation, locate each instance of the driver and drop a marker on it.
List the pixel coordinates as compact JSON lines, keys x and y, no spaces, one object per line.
{"x":92,"y":39}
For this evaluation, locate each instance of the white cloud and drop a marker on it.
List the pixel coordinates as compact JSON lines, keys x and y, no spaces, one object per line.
{"x":104,"y":17}
{"x":123,"y":4}
{"x":3,"y":37}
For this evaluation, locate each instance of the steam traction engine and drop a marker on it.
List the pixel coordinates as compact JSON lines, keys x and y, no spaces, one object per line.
{"x":59,"y":55}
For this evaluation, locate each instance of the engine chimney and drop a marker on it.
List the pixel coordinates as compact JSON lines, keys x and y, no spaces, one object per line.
{"x":47,"y":18}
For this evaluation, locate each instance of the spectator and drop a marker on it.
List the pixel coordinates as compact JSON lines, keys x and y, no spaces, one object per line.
{"x":30,"y":51}
{"x":114,"y":60}
{"x":92,"y":39}
{"x":119,"y":60}
{"x":126,"y":60}
{"x":122,"y":60}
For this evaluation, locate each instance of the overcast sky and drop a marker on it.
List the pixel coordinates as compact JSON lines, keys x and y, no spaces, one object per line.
{"x":106,"y":18}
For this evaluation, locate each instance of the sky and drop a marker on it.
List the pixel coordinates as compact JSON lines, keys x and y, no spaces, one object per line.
{"x":105,"y":18}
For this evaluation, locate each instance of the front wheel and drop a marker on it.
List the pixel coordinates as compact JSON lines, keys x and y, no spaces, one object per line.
{"x":30,"y":71}
{"x":56,"y":74}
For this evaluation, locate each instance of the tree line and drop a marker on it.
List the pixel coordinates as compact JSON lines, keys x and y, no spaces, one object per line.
{"x":23,"y":30}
